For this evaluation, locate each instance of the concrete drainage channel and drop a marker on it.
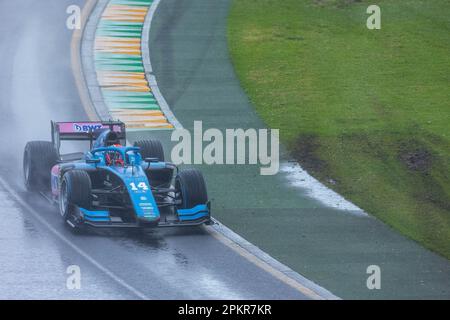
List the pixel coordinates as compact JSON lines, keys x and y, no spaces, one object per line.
{"x":119,"y":81}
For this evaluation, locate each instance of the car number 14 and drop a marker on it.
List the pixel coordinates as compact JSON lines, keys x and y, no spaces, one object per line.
{"x":142,"y":186}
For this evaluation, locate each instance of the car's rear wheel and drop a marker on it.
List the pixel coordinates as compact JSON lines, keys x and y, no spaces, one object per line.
{"x":151,"y":149}
{"x":161,"y":177}
{"x":38,"y":159}
{"x":76,"y":192}
{"x":190,"y":188}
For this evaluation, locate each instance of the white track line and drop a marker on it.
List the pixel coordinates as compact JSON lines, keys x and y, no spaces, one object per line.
{"x":270,"y":265}
{"x":64,"y":239}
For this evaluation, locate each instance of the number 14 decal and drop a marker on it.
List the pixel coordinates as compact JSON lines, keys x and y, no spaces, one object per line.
{"x":142,"y":186}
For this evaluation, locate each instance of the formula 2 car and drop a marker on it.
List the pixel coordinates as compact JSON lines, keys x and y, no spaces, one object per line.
{"x":114,"y":185}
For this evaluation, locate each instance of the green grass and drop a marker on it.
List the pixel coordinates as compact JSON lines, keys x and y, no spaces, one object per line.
{"x":365,"y":111}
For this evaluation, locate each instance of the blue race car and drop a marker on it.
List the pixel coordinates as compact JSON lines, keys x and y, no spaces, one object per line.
{"x":114,"y":185}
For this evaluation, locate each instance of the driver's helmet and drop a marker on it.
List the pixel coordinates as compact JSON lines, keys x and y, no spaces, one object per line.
{"x":112,"y":139}
{"x":114,"y":158}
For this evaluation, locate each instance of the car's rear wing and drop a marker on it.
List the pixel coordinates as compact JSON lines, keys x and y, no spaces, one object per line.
{"x":84,"y":130}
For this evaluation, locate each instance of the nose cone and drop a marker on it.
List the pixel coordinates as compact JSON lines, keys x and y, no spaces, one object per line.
{"x":141,"y":195}
{"x":148,"y":222}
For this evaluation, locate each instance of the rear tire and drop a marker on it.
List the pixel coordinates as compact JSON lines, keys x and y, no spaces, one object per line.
{"x":38,"y":159}
{"x":191,"y":187}
{"x":76,"y":192}
{"x":151,"y":149}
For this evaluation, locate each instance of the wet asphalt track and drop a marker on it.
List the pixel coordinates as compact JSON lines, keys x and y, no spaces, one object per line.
{"x":37,"y":85}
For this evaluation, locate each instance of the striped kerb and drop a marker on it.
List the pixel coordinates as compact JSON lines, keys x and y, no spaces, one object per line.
{"x":119,"y":66}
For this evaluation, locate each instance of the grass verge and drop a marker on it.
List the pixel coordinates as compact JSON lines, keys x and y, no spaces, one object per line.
{"x":365,"y":111}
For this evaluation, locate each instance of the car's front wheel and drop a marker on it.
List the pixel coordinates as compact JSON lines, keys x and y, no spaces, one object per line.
{"x":190,"y":190}
{"x":75,"y":193}
{"x":190,"y":187}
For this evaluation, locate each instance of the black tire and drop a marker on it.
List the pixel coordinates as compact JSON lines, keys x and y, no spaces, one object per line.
{"x":151,"y":149}
{"x":191,"y":188}
{"x":160,"y":178}
{"x":76,"y":191}
{"x":38,"y":159}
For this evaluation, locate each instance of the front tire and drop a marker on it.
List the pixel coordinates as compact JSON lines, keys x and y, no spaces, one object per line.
{"x":190,"y":187}
{"x":75,"y":193}
{"x":38,"y":159}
